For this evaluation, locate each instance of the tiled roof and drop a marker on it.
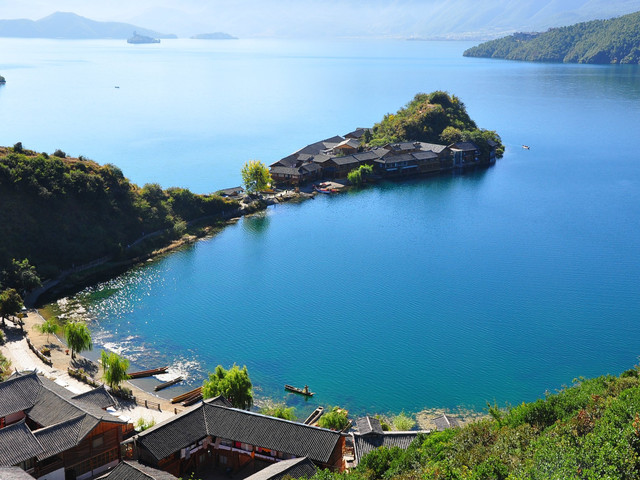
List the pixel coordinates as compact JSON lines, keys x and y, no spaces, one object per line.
{"x":98,"y":397}
{"x":445,"y":421}
{"x":364,"y":444}
{"x":238,"y":425}
{"x":349,"y":142}
{"x":465,"y":146}
{"x":369,"y":425}
{"x":17,"y":444}
{"x":63,"y":436}
{"x":14,"y":473}
{"x":294,"y":468}
{"x":346,"y":160}
{"x":432,"y":147}
{"x":424,"y":155}
{"x":284,"y":171}
{"x":130,"y":470}
{"x":17,"y":393}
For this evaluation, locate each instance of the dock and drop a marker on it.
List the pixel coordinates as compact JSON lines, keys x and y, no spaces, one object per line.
{"x":168,"y":384}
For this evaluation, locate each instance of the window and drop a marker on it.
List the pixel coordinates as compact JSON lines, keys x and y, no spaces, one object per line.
{"x":97,"y":442}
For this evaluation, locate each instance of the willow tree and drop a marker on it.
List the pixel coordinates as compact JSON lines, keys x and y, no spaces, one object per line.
{"x":233,"y":384}
{"x":114,"y":368}
{"x":78,"y":337}
{"x":48,"y":327}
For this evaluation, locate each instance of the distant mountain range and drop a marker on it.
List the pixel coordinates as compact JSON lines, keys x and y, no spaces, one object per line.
{"x":72,"y":26}
{"x":600,"y":41}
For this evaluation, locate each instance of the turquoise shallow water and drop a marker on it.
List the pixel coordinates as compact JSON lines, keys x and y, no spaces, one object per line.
{"x":449,"y":291}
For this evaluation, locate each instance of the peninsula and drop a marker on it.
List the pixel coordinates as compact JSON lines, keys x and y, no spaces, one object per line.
{"x":601,"y":41}
{"x":214,"y":36}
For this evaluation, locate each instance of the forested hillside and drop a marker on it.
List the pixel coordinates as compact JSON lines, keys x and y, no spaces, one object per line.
{"x":590,"y":430}
{"x":601,"y":41}
{"x":436,"y":117}
{"x":59,"y":212}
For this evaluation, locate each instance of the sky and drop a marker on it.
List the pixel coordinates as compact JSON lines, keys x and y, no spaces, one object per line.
{"x":344,"y":18}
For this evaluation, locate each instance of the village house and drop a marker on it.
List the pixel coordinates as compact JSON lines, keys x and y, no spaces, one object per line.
{"x":214,"y":435}
{"x":52,"y":433}
{"x":131,"y":470}
{"x":465,"y":154}
{"x":358,"y":133}
{"x":347,"y":147}
{"x":286,"y":469}
{"x":370,"y":436}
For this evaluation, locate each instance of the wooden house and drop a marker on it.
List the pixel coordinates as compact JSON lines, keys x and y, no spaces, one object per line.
{"x":213,"y":434}
{"x":131,"y":470}
{"x":347,"y":147}
{"x":465,"y":154}
{"x":358,"y":133}
{"x":52,"y":433}
{"x":286,"y":469}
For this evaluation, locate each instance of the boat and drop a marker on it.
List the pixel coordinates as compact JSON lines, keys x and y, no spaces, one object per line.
{"x":322,"y":190}
{"x":301,"y":391}
{"x":139,"y":39}
{"x":192,"y":399}
{"x":315,"y":416}
{"x":184,"y":396}
{"x":148,"y":373}
{"x":168,"y":384}
{"x":526,"y":147}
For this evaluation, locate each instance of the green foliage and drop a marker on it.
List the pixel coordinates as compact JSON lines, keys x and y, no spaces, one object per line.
{"x":59,"y":153}
{"x":10,"y":303}
{"x":255,"y":176}
{"x":279,"y":411}
{"x":335,"y":419}
{"x":383,"y":423}
{"x":5,"y":364}
{"x":590,"y":430}
{"x":18,"y":147}
{"x":114,"y":368}
{"x":20,"y":275}
{"x":141,"y":424}
{"x":48,"y":327}
{"x":233,"y":384}
{"x":358,"y":176}
{"x":403,"y":422}
{"x":434,"y":118}
{"x":93,"y":210}
{"x":600,"y":41}
{"x":78,"y":337}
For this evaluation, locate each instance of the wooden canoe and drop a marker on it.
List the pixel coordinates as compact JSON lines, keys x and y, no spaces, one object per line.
{"x":301,"y":391}
{"x":148,"y":373}
{"x":184,"y":396}
{"x":192,"y":399}
{"x":168,"y":384}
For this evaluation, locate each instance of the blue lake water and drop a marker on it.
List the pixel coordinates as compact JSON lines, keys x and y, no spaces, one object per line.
{"x":449,"y":291}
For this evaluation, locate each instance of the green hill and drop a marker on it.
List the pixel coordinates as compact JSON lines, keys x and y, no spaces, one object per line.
{"x":436,"y":117}
{"x":600,"y":41}
{"x":590,"y":430}
{"x":62,"y":212}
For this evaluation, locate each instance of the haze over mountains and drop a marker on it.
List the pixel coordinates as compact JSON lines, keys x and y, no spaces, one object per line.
{"x":334,"y":18}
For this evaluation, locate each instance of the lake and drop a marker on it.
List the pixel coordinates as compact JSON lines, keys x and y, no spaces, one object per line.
{"x":450,"y":291}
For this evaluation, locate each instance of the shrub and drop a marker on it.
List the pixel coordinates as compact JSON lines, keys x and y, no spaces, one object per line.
{"x":18,"y":147}
{"x":59,"y":153}
{"x":403,"y":422}
{"x":336,"y":419}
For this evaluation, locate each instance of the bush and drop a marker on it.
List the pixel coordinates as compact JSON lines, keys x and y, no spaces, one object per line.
{"x":336,"y":419}
{"x":18,"y":148}
{"x":59,"y":153}
{"x":403,"y":422}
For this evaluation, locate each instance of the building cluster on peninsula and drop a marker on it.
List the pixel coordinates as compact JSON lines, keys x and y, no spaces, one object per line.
{"x":335,"y":157}
{"x":48,"y":432}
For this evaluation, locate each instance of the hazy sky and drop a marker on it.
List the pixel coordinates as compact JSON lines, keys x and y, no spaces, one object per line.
{"x":328,"y":17}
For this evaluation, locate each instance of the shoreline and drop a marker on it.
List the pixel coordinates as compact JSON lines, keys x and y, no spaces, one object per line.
{"x":423,"y":418}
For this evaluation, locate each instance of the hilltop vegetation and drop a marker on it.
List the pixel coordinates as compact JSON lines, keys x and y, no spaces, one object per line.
{"x":59,"y":212}
{"x":600,"y":41}
{"x":590,"y":430}
{"x":436,"y":117}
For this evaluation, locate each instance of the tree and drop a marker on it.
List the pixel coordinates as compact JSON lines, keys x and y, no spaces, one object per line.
{"x":10,"y":303}
{"x":114,"y":368}
{"x":47,"y":327}
{"x":255,"y":176}
{"x":336,"y":419}
{"x":279,"y":411}
{"x":233,"y":384}
{"x":78,"y":337}
{"x":21,"y":276}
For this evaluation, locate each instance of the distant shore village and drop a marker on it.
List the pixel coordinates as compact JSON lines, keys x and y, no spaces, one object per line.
{"x":335,"y":157}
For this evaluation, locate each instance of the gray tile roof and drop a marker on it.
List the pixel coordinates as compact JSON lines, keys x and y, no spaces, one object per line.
{"x":465,"y":146}
{"x":358,"y":132}
{"x":346,"y":160}
{"x":294,"y":468}
{"x":284,"y":171}
{"x":14,"y":473}
{"x":63,"y":436}
{"x":349,"y":142}
{"x":445,"y":421}
{"x":17,"y":444}
{"x":425,"y":155}
{"x":369,"y":425}
{"x":432,"y":147}
{"x":130,"y":470}
{"x":364,"y":444}
{"x":238,"y":425}
{"x":98,"y":397}
{"x":17,"y":393}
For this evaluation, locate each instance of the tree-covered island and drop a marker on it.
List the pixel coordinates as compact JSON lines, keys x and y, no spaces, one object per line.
{"x":601,"y":41}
